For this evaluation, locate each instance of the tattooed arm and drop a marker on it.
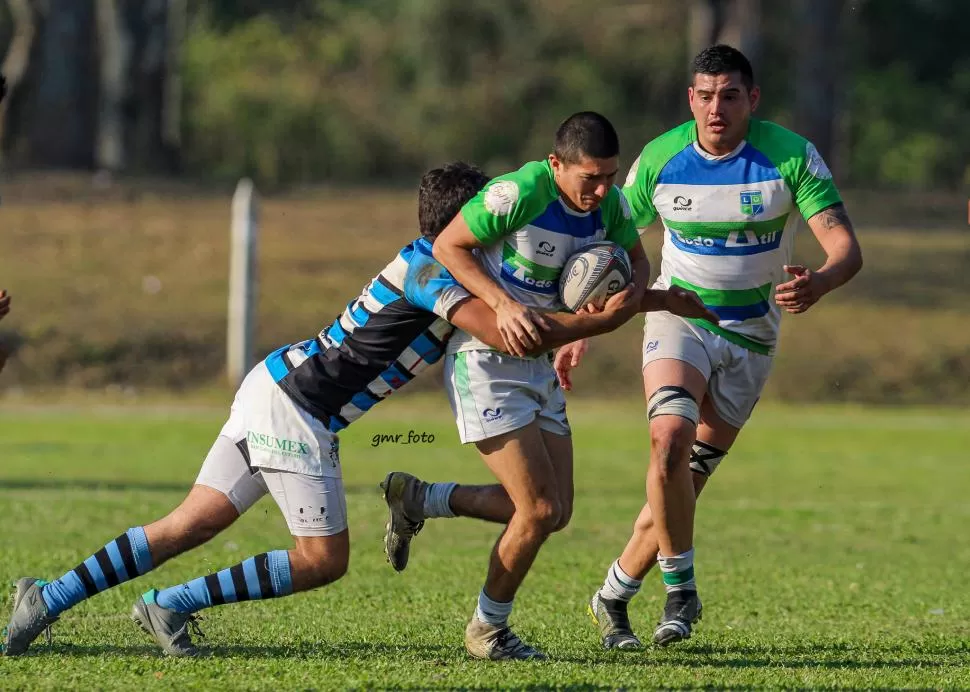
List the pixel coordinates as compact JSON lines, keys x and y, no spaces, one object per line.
{"x":833,"y":230}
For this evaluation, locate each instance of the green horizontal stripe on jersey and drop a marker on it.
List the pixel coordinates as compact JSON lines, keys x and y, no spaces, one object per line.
{"x":539,"y":272}
{"x":722,"y":229}
{"x":742,"y":341}
{"x":726,"y":298}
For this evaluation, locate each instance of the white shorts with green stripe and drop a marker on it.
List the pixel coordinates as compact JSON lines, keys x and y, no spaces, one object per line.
{"x":492,"y":393}
{"x":735,"y":375}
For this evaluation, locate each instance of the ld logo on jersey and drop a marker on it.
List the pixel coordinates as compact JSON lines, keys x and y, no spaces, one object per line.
{"x":752,"y":203}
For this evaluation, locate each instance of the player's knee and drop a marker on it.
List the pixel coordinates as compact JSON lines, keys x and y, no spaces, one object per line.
{"x":671,"y":439}
{"x":565,"y":515}
{"x":322,"y":562}
{"x":542,"y":515}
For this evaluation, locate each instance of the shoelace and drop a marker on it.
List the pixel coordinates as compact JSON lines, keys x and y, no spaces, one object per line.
{"x":412,"y":528}
{"x":193,"y":623}
{"x":507,"y":639}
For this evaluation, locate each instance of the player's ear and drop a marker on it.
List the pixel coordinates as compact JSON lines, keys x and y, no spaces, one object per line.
{"x":755,"y":97}
{"x":555,"y":162}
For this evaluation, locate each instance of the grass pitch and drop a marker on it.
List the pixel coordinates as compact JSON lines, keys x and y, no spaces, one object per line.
{"x":831,"y":549}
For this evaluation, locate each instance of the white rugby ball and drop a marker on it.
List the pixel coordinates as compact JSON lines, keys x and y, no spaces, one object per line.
{"x":594,"y":274}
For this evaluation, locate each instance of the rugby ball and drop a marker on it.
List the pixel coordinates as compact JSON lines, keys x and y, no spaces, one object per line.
{"x":594,"y":274}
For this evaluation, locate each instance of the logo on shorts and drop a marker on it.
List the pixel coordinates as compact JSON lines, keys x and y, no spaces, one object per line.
{"x":752,"y":203}
{"x":546,"y":248}
{"x":491,"y":414}
{"x":651,"y":346}
{"x":277,"y":445}
{"x":334,"y":452}
{"x":309,"y":517}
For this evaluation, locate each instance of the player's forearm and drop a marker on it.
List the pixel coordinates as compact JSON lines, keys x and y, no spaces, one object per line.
{"x":565,"y":328}
{"x":654,"y":300}
{"x":841,"y":265}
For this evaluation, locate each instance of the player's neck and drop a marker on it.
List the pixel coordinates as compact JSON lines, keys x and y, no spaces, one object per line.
{"x":720,"y":149}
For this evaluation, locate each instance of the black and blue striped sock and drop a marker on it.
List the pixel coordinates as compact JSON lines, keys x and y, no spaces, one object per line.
{"x":264,"y":576}
{"x":121,"y":560}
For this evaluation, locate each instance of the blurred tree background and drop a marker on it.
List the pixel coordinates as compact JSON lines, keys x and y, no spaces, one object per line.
{"x":296,"y":91}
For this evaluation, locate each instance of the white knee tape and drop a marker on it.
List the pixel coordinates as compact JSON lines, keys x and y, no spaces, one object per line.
{"x":673,"y":401}
{"x":704,"y":458}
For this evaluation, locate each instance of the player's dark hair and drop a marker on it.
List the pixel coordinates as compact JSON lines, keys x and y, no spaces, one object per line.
{"x":443,"y":192}
{"x":586,"y":134}
{"x":721,"y":59}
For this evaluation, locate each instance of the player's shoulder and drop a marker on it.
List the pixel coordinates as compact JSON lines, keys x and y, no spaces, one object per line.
{"x":658,"y":152}
{"x":528,"y":190}
{"x":662,"y":148}
{"x":777,"y":141}
{"x":616,"y":198}
{"x":788,"y":151}
{"x":533,"y":178}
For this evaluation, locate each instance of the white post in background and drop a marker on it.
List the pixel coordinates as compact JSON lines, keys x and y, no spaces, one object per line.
{"x":242,"y":281}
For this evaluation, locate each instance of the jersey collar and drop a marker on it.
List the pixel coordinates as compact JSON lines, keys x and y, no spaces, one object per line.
{"x":723,"y":157}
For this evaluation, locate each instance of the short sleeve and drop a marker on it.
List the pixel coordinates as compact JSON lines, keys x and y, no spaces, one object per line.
{"x":509,"y":202}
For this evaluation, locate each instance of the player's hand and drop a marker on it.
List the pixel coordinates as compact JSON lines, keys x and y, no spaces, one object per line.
{"x":686,"y":303}
{"x":519,"y":327}
{"x":802,"y":292}
{"x":567,"y":358}
{"x":623,"y":305}
{"x":4,"y":303}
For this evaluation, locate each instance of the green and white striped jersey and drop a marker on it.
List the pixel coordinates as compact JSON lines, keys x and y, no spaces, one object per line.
{"x":529,"y":233}
{"x":728,"y":220}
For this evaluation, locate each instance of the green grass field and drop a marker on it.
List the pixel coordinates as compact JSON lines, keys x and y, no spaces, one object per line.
{"x":832,"y":552}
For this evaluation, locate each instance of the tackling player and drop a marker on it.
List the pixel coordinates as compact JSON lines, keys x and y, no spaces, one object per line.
{"x":281,"y":438}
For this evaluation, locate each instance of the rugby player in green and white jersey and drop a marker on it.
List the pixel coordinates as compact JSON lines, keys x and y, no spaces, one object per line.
{"x":728,"y":189}
{"x":508,"y":247}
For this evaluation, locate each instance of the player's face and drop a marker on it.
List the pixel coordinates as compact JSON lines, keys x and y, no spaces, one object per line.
{"x":583,"y":185}
{"x":722,"y":108}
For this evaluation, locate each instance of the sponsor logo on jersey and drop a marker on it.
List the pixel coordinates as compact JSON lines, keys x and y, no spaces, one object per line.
{"x":752,"y":203}
{"x":546,"y":248}
{"x":501,"y":197}
{"x":682,"y":203}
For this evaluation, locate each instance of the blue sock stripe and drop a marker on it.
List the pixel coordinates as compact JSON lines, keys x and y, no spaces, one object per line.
{"x":228,"y":589}
{"x":117,"y":563}
{"x":94,"y":569}
{"x":139,"y":546}
{"x":278,"y":562}
{"x":252,"y":579}
{"x":123,"y":544}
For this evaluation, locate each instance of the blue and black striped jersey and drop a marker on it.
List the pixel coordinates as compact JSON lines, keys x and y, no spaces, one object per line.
{"x":391,"y":332}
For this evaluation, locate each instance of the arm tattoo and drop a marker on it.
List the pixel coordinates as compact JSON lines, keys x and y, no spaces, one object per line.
{"x":833,"y":216}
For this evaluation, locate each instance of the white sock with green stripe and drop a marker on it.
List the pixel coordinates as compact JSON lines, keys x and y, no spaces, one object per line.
{"x":678,"y":571}
{"x":619,"y":586}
